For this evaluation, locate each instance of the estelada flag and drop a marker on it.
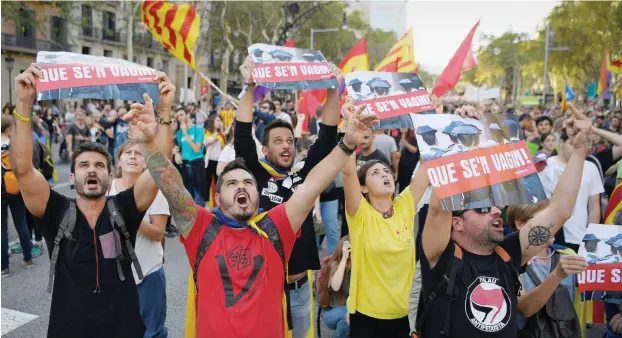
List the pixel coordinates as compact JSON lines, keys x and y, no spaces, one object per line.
{"x":175,"y":26}
{"x":616,"y":66}
{"x":605,"y":76}
{"x":615,"y":204}
{"x":401,"y":57}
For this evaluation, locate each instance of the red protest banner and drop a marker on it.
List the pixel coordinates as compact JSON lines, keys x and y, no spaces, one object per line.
{"x":292,"y":72}
{"x":479,"y":168}
{"x":60,"y":76}
{"x":601,"y":277}
{"x":397,"y":105}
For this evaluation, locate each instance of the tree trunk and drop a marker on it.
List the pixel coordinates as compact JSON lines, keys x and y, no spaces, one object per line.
{"x":224,"y":69}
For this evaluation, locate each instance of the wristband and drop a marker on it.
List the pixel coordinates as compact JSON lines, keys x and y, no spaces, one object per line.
{"x":250,"y":84}
{"x":165,"y":123}
{"x":345,"y":148}
{"x":21,"y":118}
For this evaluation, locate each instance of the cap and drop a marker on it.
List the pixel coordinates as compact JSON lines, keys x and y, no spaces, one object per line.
{"x":310,"y":56}
{"x":465,"y":129}
{"x":611,"y":240}
{"x":406,"y":82}
{"x":618,"y":243}
{"x":425,"y":129}
{"x":378,"y":83}
{"x":447,"y":130}
{"x":354,"y":81}
{"x":590,"y":237}
{"x":277,"y":53}
{"x":257,"y":51}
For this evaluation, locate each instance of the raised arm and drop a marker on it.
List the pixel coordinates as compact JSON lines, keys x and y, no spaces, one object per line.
{"x":437,"y":230}
{"x":245,"y":110}
{"x":32,"y":185}
{"x":330,"y":109}
{"x":351,"y":186}
{"x":243,"y":141}
{"x":301,"y":203}
{"x":545,"y":224}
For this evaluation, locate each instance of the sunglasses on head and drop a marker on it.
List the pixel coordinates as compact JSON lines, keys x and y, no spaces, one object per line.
{"x":481,"y":211}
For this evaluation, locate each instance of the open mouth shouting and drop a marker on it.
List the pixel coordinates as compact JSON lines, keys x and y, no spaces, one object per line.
{"x":497,"y":224}
{"x":92,"y":183}
{"x":242,"y":199}
{"x":386,"y":182}
{"x":285,"y":156}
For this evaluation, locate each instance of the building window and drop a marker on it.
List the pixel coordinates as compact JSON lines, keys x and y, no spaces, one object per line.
{"x":124,"y":56}
{"x":26,"y":28}
{"x":165,"y":66}
{"x":58,"y":30}
{"x":107,"y":53}
{"x":149,"y":62}
{"x":109,"y":27}
{"x":87,"y":20}
{"x":135,"y":59}
{"x":86,"y":50}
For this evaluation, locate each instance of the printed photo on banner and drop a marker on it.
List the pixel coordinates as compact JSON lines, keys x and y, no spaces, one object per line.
{"x":278,"y":67}
{"x":602,"y":249}
{"x":392,"y":96}
{"x":78,"y":76}
{"x":477,"y":163}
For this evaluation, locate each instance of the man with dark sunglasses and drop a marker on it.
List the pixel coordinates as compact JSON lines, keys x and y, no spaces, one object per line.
{"x":470,"y":269}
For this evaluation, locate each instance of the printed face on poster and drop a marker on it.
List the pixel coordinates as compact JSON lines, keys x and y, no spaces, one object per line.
{"x":477,"y":163}
{"x":391,"y":96}
{"x":278,"y":67}
{"x":77,"y":76}
{"x":602,"y":249}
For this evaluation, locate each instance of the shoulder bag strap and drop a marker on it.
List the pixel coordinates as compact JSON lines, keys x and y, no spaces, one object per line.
{"x":68,"y":222}
{"x":120,"y":222}
{"x":208,"y":237}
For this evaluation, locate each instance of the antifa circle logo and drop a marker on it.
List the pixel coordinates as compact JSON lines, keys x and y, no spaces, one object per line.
{"x":487,"y":305}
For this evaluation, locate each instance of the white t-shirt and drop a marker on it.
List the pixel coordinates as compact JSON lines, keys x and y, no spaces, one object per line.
{"x":228,"y":152}
{"x":591,"y":184}
{"x":285,"y":117}
{"x":150,"y":253}
{"x":212,"y":151}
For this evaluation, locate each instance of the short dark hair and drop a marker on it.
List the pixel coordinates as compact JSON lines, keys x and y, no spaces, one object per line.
{"x":524,"y":117}
{"x":362,"y":171}
{"x":237,"y":163}
{"x":277,"y":99}
{"x":278,"y":123}
{"x":90,"y":147}
{"x":545,"y":136}
{"x":544,"y":118}
{"x":270,"y":104}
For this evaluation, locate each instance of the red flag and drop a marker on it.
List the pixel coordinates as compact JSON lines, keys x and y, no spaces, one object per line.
{"x":451,"y":74}
{"x":290,"y":43}
{"x":469,"y":61}
{"x":310,"y":101}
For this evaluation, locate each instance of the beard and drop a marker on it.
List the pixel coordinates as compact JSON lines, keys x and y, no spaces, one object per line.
{"x":103,"y":184}
{"x":493,"y":237}
{"x":239,"y":214}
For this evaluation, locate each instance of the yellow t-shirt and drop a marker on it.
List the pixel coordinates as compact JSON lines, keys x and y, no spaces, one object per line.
{"x":227,"y":117}
{"x":383,"y":258}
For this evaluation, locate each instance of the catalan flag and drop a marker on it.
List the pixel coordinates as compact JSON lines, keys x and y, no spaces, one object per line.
{"x":401,"y":57}
{"x":569,"y":96}
{"x":605,"y":77}
{"x":175,"y":26}
{"x":616,"y":65}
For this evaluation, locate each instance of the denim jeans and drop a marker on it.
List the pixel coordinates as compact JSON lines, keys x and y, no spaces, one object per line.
{"x":329,"y":211}
{"x":335,"y":319}
{"x":18,"y":211}
{"x":193,"y":175}
{"x":152,"y":297}
{"x":300,"y":300}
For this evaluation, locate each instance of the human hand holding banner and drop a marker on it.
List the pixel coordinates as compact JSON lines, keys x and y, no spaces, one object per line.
{"x":278,"y":67}
{"x":74,"y":76}
{"x":391,"y":96}
{"x":477,"y":163}
{"x":602,"y":248}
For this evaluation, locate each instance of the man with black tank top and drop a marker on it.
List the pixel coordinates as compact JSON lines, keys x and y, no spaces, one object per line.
{"x":479,"y":298}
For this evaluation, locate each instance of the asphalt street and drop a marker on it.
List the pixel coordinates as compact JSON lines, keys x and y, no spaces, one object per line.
{"x":26,"y":303}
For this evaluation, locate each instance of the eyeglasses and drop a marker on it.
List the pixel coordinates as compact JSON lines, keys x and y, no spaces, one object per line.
{"x":264,"y":108}
{"x":481,"y":211}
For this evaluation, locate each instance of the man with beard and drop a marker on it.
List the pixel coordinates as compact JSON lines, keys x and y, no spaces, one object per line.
{"x":92,"y":236}
{"x":276,"y":184}
{"x":470,"y":270}
{"x":239,"y":255}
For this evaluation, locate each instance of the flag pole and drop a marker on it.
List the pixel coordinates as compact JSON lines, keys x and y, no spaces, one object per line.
{"x":233,"y":100}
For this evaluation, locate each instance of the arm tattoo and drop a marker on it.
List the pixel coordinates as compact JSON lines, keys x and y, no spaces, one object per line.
{"x":169,"y":181}
{"x":538,"y":235}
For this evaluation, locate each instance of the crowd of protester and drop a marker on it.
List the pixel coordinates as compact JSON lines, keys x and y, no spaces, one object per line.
{"x":273,"y":201}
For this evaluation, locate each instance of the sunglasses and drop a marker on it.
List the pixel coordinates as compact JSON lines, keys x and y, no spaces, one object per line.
{"x":481,"y":211}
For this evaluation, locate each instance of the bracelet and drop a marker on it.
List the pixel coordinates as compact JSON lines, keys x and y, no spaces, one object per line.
{"x":250,"y":84}
{"x":345,"y":148}
{"x":165,"y":123}
{"x":21,"y":118}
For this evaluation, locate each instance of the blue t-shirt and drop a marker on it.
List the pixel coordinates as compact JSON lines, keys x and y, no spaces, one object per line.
{"x":542,"y":270}
{"x":197,"y":133}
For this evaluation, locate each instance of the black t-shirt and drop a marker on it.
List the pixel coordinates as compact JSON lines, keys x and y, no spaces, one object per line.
{"x":74,"y":130}
{"x":106,"y":125}
{"x":485,"y":290}
{"x":375,"y":155}
{"x":76,"y":311}
{"x":273,"y":192}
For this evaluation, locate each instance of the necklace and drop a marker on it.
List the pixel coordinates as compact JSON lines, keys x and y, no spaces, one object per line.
{"x":388,"y":214}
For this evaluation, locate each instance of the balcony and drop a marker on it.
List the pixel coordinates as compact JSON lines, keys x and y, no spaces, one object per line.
{"x":99,"y":34}
{"x":32,"y":45}
{"x":147,"y":41}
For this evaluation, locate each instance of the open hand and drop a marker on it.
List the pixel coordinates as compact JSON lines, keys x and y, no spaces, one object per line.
{"x":26,"y":84}
{"x":336,"y":73}
{"x":246,"y":69}
{"x":142,"y":120}
{"x":357,"y":125}
{"x":347,"y":110}
{"x":569,"y":265}
{"x":468,"y":111}
{"x":616,"y":323}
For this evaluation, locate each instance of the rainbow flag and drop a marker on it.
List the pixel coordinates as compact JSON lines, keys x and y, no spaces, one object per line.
{"x":605,"y":77}
{"x":401,"y":57}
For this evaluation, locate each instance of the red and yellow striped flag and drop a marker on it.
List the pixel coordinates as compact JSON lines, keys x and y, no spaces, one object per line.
{"x":401,"y":57}
{"x":175,"y":26}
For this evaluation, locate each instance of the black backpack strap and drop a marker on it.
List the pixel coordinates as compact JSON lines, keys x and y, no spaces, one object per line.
{"x":117,"y":220}
{"x":456,"y":266}
{"x":65,"y":230}
{"x":532,"y":275}
{"x":208,"y":237}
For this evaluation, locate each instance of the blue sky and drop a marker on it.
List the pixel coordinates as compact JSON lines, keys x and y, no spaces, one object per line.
{"x":440,"y":26}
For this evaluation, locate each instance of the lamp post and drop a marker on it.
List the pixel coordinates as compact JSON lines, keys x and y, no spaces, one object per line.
{"x":547,"y":48}
{"x":9,"y":66}
{"x":320,"y":30}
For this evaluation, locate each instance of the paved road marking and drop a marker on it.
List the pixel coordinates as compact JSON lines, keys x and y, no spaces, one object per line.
{"x":11,"y":320}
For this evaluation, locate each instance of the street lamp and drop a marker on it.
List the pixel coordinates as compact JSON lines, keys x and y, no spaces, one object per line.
{"x":9,"y":66}
{"x":547,"y":47}
{"x":320,"y":30}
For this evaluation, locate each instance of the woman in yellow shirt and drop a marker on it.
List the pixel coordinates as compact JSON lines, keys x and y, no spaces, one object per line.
{"x":382,"y":246}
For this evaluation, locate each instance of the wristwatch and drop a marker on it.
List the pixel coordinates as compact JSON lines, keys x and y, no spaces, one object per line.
{"x":345,"y":148}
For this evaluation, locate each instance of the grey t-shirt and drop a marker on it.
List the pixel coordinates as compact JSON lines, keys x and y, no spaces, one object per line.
{"x":385,"y":144}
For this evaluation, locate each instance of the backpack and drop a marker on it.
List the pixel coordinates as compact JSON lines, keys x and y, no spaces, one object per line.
{"x":9,"y":180}
{"x":558,"y":317}
{"x":447,"y":285}
{"x":46,"y":164}
{"x":68,"y":224}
